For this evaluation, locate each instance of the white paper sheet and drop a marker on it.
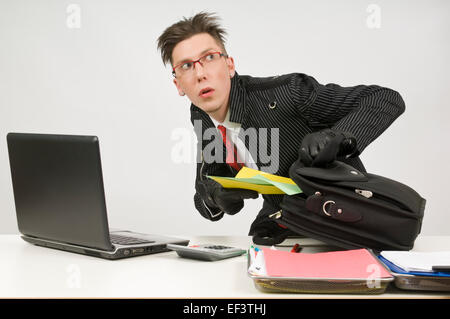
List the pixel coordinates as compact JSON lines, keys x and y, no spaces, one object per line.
{"x":417,"y":261}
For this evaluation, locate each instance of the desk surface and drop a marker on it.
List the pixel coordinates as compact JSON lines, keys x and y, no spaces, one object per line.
{"x":28,"y":271}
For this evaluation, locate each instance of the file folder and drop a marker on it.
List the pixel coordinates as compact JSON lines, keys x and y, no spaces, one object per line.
{"x":352,"y":272}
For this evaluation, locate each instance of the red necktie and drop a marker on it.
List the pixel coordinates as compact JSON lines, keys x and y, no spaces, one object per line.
{"x":232,"y":158}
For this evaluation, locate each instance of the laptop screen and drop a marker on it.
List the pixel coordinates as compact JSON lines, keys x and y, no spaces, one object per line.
{"x":58,"y":188}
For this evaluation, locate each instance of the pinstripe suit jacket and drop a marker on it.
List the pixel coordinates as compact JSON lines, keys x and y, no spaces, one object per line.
{"x":296,"y":104}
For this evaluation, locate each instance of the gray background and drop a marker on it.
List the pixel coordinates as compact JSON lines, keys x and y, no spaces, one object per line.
{"x":107,"y":79}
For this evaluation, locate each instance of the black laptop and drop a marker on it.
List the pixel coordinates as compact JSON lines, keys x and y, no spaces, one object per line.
{"x":60,"y":199}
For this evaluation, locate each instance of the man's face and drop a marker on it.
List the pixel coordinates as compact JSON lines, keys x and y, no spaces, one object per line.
{"x":207,"y":86}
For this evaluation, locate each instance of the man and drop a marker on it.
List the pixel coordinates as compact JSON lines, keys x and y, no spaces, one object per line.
{"x":319,"y":123}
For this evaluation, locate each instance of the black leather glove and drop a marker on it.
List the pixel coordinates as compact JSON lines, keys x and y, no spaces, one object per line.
{"x":229,"y":200}
{"x":323,"y":147}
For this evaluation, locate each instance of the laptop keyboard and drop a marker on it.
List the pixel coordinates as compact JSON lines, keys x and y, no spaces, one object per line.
{"x":124,"y":240}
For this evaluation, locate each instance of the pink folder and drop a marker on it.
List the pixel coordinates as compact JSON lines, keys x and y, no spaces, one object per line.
{"x":351,"y":264}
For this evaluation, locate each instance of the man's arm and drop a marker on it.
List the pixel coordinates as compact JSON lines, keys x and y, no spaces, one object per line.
{"x":201,"y":196}
{"x":365,"y":111}
{"x":211,"y":199}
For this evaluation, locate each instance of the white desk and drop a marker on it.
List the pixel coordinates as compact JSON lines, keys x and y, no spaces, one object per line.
{"x":31,"y":271}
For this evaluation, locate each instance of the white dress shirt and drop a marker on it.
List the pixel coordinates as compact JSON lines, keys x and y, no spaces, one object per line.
{"x":233,"y":133}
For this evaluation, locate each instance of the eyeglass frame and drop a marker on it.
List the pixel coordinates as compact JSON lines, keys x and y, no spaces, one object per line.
{"x":197,"y":61}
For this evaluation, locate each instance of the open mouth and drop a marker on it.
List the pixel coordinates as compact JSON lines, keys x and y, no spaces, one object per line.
{"x":206,"y":92}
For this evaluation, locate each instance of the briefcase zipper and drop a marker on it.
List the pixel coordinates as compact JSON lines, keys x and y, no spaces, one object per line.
{"x":371,"y":195}
{"x":276,"y":215}
{"x":365,"y":193}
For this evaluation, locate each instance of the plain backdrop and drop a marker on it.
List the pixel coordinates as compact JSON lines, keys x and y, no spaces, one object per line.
{"x":106,"y":78}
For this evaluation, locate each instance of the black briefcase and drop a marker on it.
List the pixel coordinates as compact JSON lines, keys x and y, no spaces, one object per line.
{"x":344,"y":207}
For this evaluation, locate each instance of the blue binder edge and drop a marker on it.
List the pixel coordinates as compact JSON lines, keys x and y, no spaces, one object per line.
{"x":399,"y":270}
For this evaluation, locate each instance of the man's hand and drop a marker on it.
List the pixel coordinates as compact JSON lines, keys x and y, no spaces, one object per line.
{"x":323,"y":147}
{"x":229,"y":200}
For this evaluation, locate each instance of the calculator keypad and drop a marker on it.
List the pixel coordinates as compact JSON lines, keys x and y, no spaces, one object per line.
{"x":217,"y":247}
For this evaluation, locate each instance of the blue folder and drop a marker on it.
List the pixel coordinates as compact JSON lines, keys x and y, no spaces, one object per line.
{"x":399,"y":270}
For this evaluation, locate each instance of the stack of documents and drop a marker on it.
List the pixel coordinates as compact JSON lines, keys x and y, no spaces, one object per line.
{"x":352,"y":271}
{"x":348,"y":264}
{"x":416,"y":263}
{"x":261,"y":182}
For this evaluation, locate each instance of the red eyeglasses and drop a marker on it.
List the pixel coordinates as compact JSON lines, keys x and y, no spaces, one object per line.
{"x":187,"y":67}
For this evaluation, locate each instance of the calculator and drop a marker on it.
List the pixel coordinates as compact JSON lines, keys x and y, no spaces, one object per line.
{"x":206,"y":252}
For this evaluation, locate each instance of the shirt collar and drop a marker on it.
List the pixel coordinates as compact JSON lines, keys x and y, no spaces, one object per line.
{"x":226,"y":122}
